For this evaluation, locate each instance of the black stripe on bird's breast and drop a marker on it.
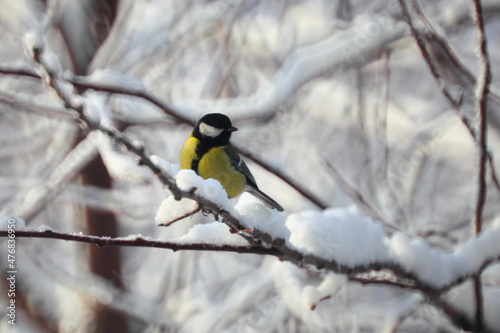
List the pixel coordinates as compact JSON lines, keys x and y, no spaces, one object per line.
{"x":201,"y":149}
{"x":206,"y":143}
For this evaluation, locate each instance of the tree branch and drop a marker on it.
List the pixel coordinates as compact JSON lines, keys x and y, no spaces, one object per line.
{"x":140,"y":241}
{"x":438,"y":54}
{"x":394,"y":274}
{"x":482,"y":89}
{"x":357,"y":196}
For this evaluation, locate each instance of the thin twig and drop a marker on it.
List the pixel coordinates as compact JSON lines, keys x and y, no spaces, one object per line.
{"x":482,"y":89}
{"x":456,"y":65}
{"x":384,"y":139}
{"x":20,"y":104}
{"x":426,"y":54}
{"x":181,"y":217}
{"x":305,"y":192}
{"x":19,"y":71}
{"x":357,"y":196}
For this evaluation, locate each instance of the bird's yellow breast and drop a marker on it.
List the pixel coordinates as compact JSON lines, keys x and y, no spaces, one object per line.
{"x":214,"y":164}
{"x":188,"y":152}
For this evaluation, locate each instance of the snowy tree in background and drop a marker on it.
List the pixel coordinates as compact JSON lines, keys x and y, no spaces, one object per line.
{"x":375,"y":124}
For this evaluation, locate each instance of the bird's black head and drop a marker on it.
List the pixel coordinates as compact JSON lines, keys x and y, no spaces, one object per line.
{"x":214,"y":127}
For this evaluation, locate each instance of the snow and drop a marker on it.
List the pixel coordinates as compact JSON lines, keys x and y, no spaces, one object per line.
{"x":7,"y":222}
{"x":417,"y":256}
{"x":256,"y":215}
{"x":188,"y":180}
{"x":133,"y":237}
{"x":167,"y":167}
{"x":440,"y":268}
{"x":125,"y":108}
{"x":51,"y":60}
{"x":213,"y":190}
{"x":310,"y":296}
{"x":338,"y":234}
{"x":332,"y":283}
{"x":96,"y":109}
{"x":309,"y":62}
{"x":211,"y":233}
{"x":34,"y":40}
{"x":342,"y":235}
{"x":170,"y":209}
{"x":114,"y":78}
{"x":121,"y":165}
{"x":348,"y":238}
{"x":44,"y":228}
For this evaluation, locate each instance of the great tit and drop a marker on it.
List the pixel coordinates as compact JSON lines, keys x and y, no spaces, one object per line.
{"x":209,"y":152}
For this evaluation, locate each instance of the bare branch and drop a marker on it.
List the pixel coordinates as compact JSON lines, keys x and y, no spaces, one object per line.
{"x":438,"y":54}
{"x":357,"y":196}
{"x":433,"y":66}
{"x":140,"y":241}
{"x":181,"y":217}
{"x":21,"y":104}
{"x":19,"y":71}
{"x":482,"y":89}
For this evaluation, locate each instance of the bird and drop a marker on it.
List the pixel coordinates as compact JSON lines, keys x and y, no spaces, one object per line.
{"x":209,"y":153}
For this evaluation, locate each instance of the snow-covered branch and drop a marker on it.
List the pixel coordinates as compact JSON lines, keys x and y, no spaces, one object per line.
{"x":336,"y":240}
{"x":413,"y":263}
{"x":64,"y":90}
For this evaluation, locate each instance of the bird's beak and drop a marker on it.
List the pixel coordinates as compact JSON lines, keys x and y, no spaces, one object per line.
{"x":232,"y":129}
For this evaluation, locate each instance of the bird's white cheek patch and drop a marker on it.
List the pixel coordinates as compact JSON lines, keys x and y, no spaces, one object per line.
{"x":210,"y":131}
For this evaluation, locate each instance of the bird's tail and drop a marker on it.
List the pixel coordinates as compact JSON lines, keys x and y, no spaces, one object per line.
{"x":264,"y":198}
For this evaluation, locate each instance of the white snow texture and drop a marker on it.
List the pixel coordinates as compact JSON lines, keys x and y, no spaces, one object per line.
{"x":341,"y":235}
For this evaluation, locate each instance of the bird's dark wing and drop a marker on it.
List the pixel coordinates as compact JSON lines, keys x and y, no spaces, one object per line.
{"x":251,"y":187}
{"x":239,"y":164}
